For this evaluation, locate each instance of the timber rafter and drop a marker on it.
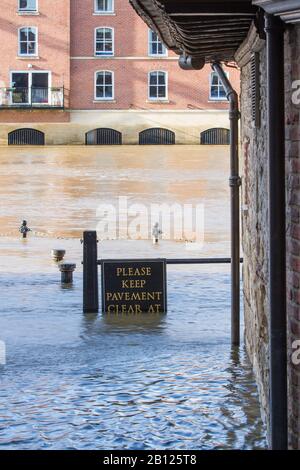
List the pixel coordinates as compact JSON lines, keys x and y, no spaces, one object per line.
{"x":213,"y":29}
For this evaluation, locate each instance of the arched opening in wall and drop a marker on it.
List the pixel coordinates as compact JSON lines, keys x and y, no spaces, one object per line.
{"x":215,"y":136}
{"x":26,"y":136}
{"x":103,"y":136}
{"x":157,"y":136}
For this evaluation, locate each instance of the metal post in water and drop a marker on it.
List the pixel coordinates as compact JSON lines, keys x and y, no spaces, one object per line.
{"x":90,"y":272}
{"x":58,"y":254}
{"x":67,"y":270}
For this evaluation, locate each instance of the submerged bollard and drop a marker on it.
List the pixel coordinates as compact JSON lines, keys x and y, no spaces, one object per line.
{"x":156,"y":233}
{"x":67,"y":270}
{"x":24,"y":229}
{"x":58,"y":255}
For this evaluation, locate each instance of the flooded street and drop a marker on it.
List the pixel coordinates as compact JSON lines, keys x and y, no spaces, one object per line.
{"x":74,"y":381}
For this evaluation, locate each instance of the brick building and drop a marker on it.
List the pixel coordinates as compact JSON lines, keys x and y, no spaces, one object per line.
{"x":70,"y":67}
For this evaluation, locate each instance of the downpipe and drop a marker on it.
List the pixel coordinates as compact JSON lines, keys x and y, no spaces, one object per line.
{"x":278,"y":429}
{"x":235,"y":183}
{"x":189,"y":63}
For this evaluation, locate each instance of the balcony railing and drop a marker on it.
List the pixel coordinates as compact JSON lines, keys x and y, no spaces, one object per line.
{"x":32,"y":97}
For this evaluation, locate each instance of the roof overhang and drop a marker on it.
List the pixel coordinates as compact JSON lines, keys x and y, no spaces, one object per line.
{"x":210,"y":30}
{"x":288,"y":10}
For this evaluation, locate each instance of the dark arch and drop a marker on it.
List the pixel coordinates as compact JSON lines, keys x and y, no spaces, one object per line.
{"x":26,"y":136}
{"x":215,"y":136}
{"x":103,"y":136}
{"x":157,"y":136}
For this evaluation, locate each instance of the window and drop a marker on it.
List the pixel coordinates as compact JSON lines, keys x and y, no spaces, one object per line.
{"x":217,"y":91}
{"x":158,"y":88}
{"x":30,"y":87}
{"x":28,"y":5}
{"x":156,"y":47}
{"x":104,"y":85}
{"x":104,"y":6}
{"x":104,"y":42}
{"x":28,"y":41}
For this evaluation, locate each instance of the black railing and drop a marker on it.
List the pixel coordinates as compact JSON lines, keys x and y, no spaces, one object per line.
{"x":32,"y":97}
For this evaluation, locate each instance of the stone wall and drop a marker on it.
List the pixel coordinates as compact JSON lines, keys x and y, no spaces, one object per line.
{"x":292,"y":74}
{"x":255,"y":225}
{"x":255,"y":221}
{"x":187,"y":125}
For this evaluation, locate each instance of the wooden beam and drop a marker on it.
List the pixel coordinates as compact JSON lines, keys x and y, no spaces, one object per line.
{"x":198,"y":8}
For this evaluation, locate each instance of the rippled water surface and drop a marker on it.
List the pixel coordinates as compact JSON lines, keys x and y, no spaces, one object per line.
{"x":75,"y":381}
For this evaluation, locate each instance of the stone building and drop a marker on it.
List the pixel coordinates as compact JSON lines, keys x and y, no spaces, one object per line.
{"x":263,"y":37}
{"x":70,"y":67}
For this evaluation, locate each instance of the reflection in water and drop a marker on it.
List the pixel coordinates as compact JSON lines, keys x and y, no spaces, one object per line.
{"x":75,"y":381}
{"x":144,"y":321}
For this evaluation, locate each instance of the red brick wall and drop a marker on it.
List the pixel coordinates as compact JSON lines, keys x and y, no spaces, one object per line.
{"x":187,"y":89}
{"x":53,"y":23}
{"x":66,"y":32}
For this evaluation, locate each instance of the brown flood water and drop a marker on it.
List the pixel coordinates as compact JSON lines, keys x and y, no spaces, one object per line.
{"x":58,"y":189}
{"x":74,"y":381}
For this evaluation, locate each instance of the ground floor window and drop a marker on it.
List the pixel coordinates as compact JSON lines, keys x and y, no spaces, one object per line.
{"x":103,"y":136}
{"x":157,"y":136}
{"x":104,"y":85}
{"x":215,"y":136}
{"x":30,"y":88}
{"x":26,"y":136}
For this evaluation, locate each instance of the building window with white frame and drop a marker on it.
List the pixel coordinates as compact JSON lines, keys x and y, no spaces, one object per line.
{"x":156,"y":47}
{"x":28,"y":6}
{"x":158,"y":85}
{"x":104,"y":42}
{"x":28,"y":45}
{"x":104,"y":85}
{"x":217,"y":91}
{"x":104,"y":6}
{"x":31,"y":87}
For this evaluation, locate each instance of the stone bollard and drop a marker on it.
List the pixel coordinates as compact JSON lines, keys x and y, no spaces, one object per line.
{"x":67,"y":270}
{"x":58,"y":255}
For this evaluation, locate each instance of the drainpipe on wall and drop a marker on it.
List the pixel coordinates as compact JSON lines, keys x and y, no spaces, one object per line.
{"x":277,"y":235}
{"x":188,"y":63}
{"x":235,"y":183}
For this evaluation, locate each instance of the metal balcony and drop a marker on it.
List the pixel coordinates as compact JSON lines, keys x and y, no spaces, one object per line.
{"x":32,"y":97}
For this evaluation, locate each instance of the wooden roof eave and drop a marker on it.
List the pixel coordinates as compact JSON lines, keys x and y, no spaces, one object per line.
{"x":193,"y":27}
{"x":154,"y":20}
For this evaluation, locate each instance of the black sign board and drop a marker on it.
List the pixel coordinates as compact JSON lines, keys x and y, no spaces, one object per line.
{"x":134,"y":286}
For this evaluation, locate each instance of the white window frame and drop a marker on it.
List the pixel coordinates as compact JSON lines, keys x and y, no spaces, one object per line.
{"x":36,"y":41}
{"x":30,"y":73}
{"x":95,"y":41}
{"x":150,"y":54}
{"x":103,"y":12}
{"x":213,"y":98}
{"x":167,"y":86}
{"x":113,"y":86}
{"x":28,"y":12}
